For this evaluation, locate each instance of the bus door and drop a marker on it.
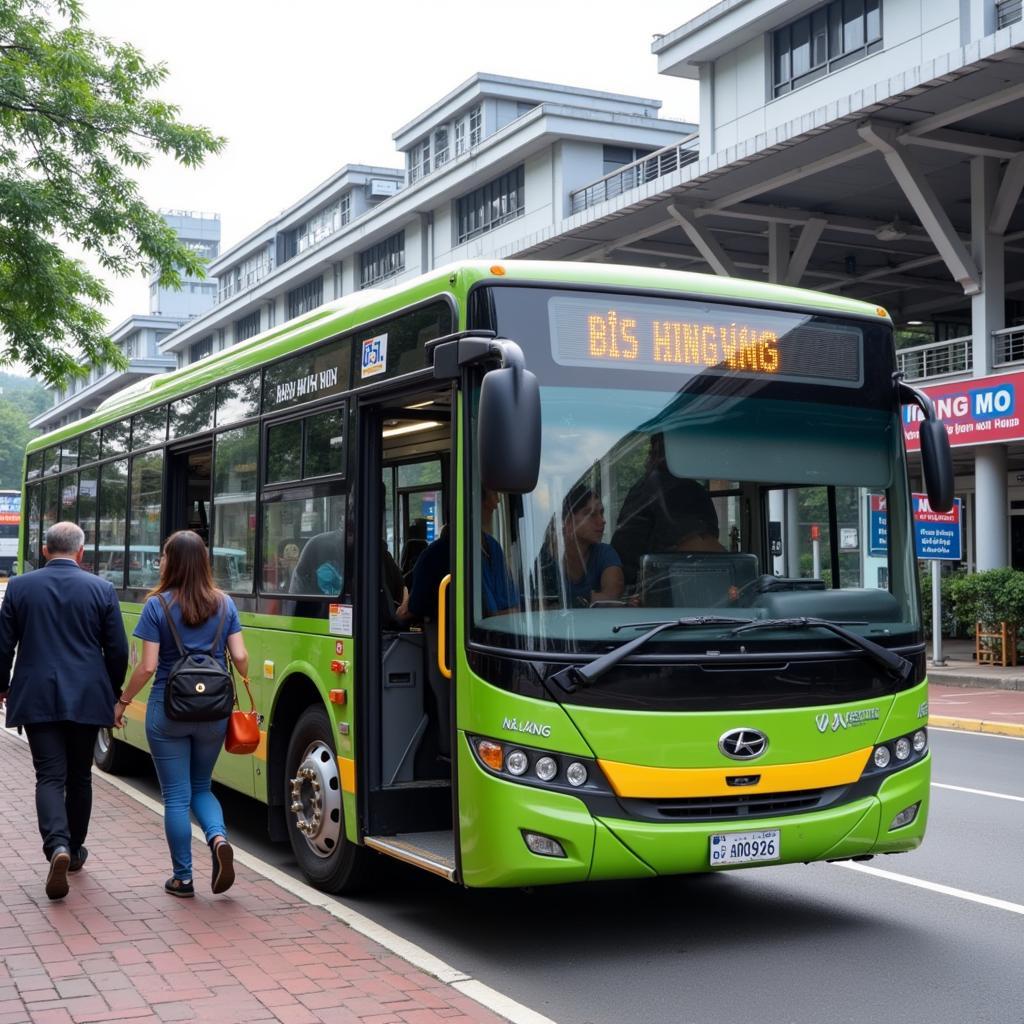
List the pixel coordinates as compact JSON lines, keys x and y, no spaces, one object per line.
{"x":189,"y":489}
{"x":405,"y":721}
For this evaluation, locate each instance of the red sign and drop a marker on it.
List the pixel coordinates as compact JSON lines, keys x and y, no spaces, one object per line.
{"x":9,"y":518}
{"x":979,"y":411}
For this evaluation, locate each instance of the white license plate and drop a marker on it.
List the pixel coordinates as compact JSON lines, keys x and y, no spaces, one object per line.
{"x":745,"y":847}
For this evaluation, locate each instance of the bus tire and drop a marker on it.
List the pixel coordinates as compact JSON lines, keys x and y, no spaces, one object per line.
{"x":111,"y":755}
{"x":315,"y":812}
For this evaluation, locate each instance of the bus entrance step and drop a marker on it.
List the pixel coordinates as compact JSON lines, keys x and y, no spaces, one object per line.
{"x":432,"y":851}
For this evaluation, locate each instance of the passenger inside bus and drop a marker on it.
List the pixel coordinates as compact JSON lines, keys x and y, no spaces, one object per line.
{"x":663,"y":512}
{"x":575,"y":566}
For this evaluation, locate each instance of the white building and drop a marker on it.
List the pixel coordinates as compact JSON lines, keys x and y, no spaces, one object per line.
{"x":494,"y":161}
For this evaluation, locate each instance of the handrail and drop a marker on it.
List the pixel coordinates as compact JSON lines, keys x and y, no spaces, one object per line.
{"x":936,"y":359}
{"x":442,"y":604}
{"x":647,"y":168}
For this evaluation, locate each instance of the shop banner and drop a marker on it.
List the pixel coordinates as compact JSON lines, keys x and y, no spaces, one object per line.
{"x":980,"y":411}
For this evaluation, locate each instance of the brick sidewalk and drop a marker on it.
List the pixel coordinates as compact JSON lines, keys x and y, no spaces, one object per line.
{"x":119,"y":948}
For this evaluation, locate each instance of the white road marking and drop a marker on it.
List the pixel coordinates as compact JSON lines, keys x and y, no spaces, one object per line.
{"x":978,"y":792}
{"x":944,"y":890}
{"x":493,"y":1000}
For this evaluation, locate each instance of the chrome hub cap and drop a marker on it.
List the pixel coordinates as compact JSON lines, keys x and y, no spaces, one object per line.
{"x":103,"y":742}
{"x":316,"y":799}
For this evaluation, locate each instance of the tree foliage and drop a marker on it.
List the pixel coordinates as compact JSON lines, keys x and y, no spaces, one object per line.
{"x":76,"y":118}
{"x":21,"y":400}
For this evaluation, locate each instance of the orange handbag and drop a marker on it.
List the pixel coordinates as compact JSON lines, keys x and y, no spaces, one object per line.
{"x":243,"y":735}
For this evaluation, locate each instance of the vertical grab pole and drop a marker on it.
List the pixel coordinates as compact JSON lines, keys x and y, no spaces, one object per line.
{"x":442,"y":626}
{"x":937,"y":658}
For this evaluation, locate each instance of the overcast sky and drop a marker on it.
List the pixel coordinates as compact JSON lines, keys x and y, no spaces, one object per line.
{"x":302,"y":87}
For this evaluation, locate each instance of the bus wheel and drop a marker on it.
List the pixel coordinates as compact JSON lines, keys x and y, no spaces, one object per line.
{"x":114,"y":756}
{"x":316,"y":818}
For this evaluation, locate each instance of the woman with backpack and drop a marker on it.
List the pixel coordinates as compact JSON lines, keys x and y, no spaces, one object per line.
{"x":185,"y":627}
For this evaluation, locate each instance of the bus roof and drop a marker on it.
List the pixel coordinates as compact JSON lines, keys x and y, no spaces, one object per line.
{"x":348,"y":312}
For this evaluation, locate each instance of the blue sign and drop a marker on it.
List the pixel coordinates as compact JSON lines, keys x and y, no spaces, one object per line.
{"x":937,"y":535}
{"x":878,"y":525}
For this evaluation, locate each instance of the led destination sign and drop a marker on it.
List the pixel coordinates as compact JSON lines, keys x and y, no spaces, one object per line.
{"x":690,"y":337}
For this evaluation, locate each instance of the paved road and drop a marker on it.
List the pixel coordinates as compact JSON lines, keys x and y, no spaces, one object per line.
{"x":785,"y":945}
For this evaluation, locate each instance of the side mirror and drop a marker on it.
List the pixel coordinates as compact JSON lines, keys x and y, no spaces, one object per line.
{"x":936,"y":458}
{"x":508,"y":430}
{"x":937,"y":462}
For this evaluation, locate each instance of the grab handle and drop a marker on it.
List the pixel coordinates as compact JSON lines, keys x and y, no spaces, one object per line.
{"x":442,"y":604}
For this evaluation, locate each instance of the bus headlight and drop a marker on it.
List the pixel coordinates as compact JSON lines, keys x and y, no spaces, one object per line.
{"x":902,"y":748}
{"x":920,"y":740}
{"x":543,"y":769}
{"x":881,"y":757}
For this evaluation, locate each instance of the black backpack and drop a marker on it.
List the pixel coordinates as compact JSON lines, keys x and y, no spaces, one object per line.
{"x":199,"y":688}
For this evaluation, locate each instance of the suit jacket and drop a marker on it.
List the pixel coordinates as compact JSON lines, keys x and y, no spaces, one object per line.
{"x":72,"y":650}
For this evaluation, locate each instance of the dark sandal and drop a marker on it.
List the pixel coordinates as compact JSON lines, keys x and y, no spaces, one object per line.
{"x":223,"y":867}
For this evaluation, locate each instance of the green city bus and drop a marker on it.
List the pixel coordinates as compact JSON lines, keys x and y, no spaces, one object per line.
{"x":589,"y":693}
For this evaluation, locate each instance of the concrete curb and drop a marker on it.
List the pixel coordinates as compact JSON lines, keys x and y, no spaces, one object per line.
{"x":970,"y":681}
{"x":975,"y":725}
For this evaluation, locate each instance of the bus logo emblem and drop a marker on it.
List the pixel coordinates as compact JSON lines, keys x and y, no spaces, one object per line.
{"x":743,"y":744}
{"x":375,"y":356}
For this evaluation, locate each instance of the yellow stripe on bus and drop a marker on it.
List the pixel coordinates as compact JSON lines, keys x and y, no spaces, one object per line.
{"x":347,"y":769}
{"x":635,"y":780}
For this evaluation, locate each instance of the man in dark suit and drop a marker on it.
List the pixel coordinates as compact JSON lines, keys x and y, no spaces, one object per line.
{"x":72,"y":655}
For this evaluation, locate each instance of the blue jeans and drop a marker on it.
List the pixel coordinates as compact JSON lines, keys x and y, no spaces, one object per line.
{"x":184,"y":754}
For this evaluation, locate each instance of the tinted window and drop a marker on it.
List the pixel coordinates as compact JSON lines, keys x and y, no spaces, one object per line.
{"x":115,"y":438}
{"x":89,"y":447}
{"x":324,"y":443}
{"x":87,"y":514}
{"x":149,"y":427}
{"x":69,"y":498}
{"x":304,"y":546}
{"x":33,"y":540}
{"x":144,"y":520}
{"x":238,"y":399}
{"x":192,"y":415}
{"x":51,"y":459}
{"x":397,"y":346}
{"x":234,"y":508}
{"x":69,"y":454}
{"x":284,"y":452}
{"x":34,"y":465}
{"x":113,"y":503}
{"x":308,"y":377}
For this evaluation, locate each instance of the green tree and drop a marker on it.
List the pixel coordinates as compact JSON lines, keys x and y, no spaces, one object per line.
{"x":14,"y":435}
{"x":76,"y":116}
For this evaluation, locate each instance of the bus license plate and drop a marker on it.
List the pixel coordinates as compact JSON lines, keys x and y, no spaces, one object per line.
{"x":745,"y":847}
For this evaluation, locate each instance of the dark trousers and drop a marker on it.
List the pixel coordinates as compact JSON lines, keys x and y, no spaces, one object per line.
{"x":62,"y":757}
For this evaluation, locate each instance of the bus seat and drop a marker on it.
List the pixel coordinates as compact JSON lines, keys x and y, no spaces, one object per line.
{"x":411,"y":551}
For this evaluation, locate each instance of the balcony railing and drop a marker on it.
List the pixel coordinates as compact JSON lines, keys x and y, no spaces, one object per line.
{"x":946,"y":358}
{"x":936,"y":359}
{"x":654,"y":165}
{"x":1008,"y":346}
{"x":1007,"y":12}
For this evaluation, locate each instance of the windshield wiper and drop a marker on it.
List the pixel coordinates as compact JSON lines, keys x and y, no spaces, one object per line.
{"x":892,"y":662}
{"x":582,"y":675}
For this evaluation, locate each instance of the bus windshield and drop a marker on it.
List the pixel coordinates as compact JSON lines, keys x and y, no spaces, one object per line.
{"x":765,"y":486}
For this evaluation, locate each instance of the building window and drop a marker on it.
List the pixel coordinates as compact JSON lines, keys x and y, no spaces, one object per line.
{"x":496,"y":203}
{"x":287,"y":245}
{"x":248,"y":326}
{"x":460,"y":137}
{"x":131,"y":345}
{"x":825,"y":40}
{"x":345,"y":206}
{"x":385,"y":259}
{"x":620,"y":156}
{"x":323,"y":224}
{"x":440,"y":147}
{"x":475,"y":125}
{"x":1008,"y":12}
{"x":200,"y":349}
{"x":306,"y":297}
{"x":245,"y":275}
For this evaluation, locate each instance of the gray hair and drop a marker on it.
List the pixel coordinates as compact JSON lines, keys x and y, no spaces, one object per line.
{"x":64,"y":539}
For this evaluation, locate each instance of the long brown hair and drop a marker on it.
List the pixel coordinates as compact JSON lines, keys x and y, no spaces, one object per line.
{"x":185,"y":569}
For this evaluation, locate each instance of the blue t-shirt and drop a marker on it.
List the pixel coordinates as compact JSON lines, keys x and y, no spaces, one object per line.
{"x":152,"y":625}
{"x":576,"y":593}
{"x":433,"y":565}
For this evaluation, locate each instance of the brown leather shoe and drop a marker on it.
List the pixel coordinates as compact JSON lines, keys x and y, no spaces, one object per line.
{"x":223,"y":867}
{"x":57,"y":879}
